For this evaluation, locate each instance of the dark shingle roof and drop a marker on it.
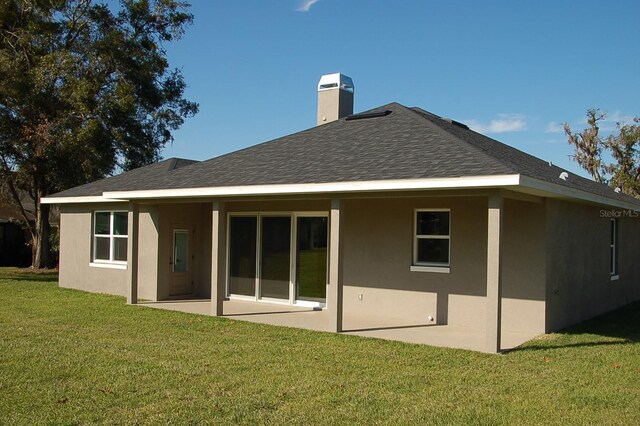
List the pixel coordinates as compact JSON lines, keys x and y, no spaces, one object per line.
{"x":408,"y":143}
{"x":134,"y":179}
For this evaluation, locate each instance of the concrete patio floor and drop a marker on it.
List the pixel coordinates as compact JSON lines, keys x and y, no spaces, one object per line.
{"x":390,"y":329}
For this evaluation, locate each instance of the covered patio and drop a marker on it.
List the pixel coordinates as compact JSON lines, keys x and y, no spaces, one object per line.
{"x":451,"y":336}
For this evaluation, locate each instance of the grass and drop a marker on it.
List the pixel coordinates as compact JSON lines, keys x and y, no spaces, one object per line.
{"x":69,"y":357}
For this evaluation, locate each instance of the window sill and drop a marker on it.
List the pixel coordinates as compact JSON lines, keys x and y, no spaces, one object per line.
{"x":108,"y":265}
{"x":437,"y":269}
{"x":615,"y":277}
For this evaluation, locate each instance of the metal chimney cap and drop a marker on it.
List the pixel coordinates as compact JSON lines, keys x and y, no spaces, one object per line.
{"x":335,"y":81}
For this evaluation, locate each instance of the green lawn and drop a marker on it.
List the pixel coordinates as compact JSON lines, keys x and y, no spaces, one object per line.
{"x":68,"y":357}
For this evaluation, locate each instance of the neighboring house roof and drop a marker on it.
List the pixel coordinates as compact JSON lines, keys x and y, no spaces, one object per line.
{"x":10,"y":213}
{"x":391,"y":143}
{"x":146,"y":176}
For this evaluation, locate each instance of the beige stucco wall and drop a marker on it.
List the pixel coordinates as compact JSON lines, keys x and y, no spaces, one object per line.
{"x":524,"y":266}
{"x":378,"y":240}
{"x":148,"y":252}
{"x":275,"y":206}
{"x":579,"y":285}
{"x":156,"y":224}
{"x":75,"y":252}
{"x":555,"y":258}
{"x":177,"y":216}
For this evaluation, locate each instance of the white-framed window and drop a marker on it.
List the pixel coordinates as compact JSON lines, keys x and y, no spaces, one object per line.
{"x":431,"y":240}
{"x":110,"y":235}
{"x":613,"y":250}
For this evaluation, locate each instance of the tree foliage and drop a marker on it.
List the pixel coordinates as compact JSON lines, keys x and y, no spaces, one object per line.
{"x":85,"y":90}
{"x":614,"y":159}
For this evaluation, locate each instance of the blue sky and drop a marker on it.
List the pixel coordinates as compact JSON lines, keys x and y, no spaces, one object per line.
{"x":513,"y":70}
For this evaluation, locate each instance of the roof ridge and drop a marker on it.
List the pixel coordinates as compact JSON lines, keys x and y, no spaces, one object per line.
{"x":511,"y":164}
{"x":420,"y":116}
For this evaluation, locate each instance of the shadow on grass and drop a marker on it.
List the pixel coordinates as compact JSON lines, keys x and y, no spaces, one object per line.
{"x":619,"y":327}
{"x":28,"y":274}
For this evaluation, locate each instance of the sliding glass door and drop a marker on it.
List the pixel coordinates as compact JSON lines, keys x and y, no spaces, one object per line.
{"x":275,"y":259}
{"x":311,"y":258}
{"x":281,"y":257}
{"x":242,"y":255}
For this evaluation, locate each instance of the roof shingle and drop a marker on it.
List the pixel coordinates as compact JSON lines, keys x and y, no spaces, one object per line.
{"x":408,"y":143}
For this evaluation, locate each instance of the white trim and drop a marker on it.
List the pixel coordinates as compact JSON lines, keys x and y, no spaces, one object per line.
{"x":556,"y":189}
{"x":75,"y":200}
{"x":416,"y":237}
{"x":513,"y":181}
{"x":330,"y":187}
{"x":310,"y":304}
{"x":111,"y":236}
{"x":110,"y":265}
{"x":438,"y":269}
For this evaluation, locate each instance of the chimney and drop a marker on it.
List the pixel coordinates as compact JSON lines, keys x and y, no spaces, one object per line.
{"x":335,"y":97}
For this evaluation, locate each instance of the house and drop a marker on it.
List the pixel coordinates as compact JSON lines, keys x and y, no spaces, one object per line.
{"x":391,"y":214}
{"x":14,"y":239}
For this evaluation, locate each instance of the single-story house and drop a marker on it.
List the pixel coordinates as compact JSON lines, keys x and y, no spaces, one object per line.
{"x":390,"y":213}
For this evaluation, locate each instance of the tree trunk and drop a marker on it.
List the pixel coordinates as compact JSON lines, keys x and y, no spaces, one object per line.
{"x":41,"y":249}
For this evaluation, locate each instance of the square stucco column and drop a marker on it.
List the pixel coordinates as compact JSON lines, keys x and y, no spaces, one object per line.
{"x":494,"y":272}
{"x":334,"y":299}
{"x":218,"y":257}
{"x":132,"y":253}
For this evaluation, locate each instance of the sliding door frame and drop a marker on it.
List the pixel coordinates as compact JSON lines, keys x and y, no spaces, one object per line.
{"x":293,"y":252}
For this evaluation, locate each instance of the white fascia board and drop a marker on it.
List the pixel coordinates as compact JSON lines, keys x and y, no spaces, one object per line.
{"x":78,"y":200}
{"x":319,"y":188}
{"x":563,"y":191}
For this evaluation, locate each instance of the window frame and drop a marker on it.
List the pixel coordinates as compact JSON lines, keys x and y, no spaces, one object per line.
{"x":614,"y":272}
{"x":439,"y":267}
{"x":112,"y":236}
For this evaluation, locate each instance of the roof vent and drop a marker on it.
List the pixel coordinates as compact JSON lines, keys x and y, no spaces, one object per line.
{"x":617,"y":190}
{"x":368,"y":115}
{"x":456,"y":123}
{"x":564,"y":175}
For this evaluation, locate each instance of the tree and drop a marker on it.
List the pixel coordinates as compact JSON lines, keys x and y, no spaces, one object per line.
{"x":614,"y":160}
{"x":85,"y":91}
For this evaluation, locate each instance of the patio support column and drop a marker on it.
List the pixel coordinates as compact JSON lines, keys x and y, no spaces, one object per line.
{"x":132,"y":253}
{"x":494,"y":272}
{"x":334,"y":299}
{"x":218,"y":257}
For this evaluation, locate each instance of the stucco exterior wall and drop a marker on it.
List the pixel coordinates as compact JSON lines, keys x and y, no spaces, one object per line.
{"x":378,"y":244}
{"x":179,"y":216}
{"x":524,"y":267}
{"x":555,"y":258}
{"x":579,"y":284}
{"x":75,"y":252}
{"x":378,"y":241}
{"x":148,"y":252}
